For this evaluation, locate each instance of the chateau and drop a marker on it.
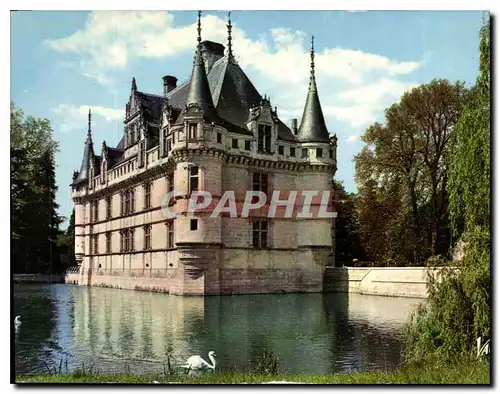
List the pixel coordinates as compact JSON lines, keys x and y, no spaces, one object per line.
{"x":213,"y":133}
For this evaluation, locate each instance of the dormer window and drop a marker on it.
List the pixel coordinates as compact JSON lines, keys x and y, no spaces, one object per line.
{"x":165,"y":146}
{"x":192,"y":131}
{"x":235,"y":143}
{"x":281,"y":150}
{"x":264,"y":139}
{"x":136,"y":132}
{"x":142,"y":147}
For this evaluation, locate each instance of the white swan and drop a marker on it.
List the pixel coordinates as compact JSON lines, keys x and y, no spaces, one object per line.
{"x":17,"y":321}
{"x":196,"y":363}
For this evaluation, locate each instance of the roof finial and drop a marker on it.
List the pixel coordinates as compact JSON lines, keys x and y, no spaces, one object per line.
{"x":312,"y":82}
{"x":199,"y":28}
{"x":230,"y":56}
{"x":89,"y":132}
{"x":134,"y":84}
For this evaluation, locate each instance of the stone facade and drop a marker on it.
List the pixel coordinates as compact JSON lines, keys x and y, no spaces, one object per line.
{"x":123,"y":237}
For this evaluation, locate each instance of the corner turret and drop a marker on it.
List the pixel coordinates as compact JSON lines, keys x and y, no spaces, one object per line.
{"x":312,"y":126}
{"x":88,"y":156}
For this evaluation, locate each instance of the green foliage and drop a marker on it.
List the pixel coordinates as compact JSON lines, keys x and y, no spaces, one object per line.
{"x":66,"y":243}
{"x":463,"y":373}
{"x":402,"y":174}
{"x":266,"y":362}
{"x":347,"y":239}
{"x":458,"y":309}
{"x":35,"y":221}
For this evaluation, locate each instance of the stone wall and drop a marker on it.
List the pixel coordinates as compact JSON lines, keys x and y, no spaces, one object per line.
{"x":396,"y":282}
{"x":247,"y":271}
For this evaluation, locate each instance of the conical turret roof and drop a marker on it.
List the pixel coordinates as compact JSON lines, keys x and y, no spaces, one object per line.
{"x":88,"y":155}
{"x":199,"y":89}
{"x":312,"y":126}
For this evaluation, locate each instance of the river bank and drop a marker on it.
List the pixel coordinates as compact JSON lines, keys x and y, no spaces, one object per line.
{"x":463,"y":373}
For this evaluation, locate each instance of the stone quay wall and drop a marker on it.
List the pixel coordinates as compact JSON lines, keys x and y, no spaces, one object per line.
{"x":383,"y":281}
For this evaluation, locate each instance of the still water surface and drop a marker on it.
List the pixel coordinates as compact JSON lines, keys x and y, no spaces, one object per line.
{"x":123,"y":330}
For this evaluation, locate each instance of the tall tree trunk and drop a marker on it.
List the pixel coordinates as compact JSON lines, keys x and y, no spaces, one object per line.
{"x":416,"y":222}
{"x":435,"y":218}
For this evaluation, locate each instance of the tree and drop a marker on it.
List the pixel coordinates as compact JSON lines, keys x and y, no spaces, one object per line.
{"x":458,"y":309}
{"x":66,"y":244}
{"x":433,"y":111}
{"x":394,"y":156}
{"x":410,"y":150}
{"x":34,"y":219}
{"x":347,"y":241}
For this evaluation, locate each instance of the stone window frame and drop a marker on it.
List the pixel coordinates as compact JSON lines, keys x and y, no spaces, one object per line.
{"x":264,"y":138}
{"x":132,"y":239}
{"x":122,"y":241}
{"x":191,"y":222}
{"x":142,"y":154}
{"x":126,"y":243}
{"x":128,"y":201}
{"x":192,"y":131}
{"x":305,"y":152}
{"x":260,"y":181}
{"x":132,"y":200}
{"x":170,"y":182}
{"x":194,"y":179}
{"x":94,"y":213}
{"x":281,"y":150}
{"x":169,"y":146}
{"x":319,"y":152}
{"x":292,"y":151}
{"x":109,"y":202}
{"x":235,"y":143}
{"x":108,"y":242}
{"x":122,"y":203}
{"x":260,"y":234}
{"x":95,"y":244}
{"x":219,"y":137}
{"x":165,"y":140}
{"x":148,"y":230}
{"x":147,"y":194}
{"x":169,"y":226}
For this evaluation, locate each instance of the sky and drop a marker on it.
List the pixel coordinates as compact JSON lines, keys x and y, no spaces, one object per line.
{"x":65,"y":62}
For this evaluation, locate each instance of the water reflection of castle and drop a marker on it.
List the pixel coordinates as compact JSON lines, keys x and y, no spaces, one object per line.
{"x":320,"y":333}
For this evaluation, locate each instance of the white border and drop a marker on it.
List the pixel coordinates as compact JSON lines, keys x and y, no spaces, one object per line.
{"x":180,"y":5}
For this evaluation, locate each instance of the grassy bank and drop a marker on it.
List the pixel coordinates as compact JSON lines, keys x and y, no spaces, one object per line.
{"x":468,"y":373}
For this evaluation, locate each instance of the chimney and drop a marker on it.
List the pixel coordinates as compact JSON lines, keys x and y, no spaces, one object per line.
{"x":294,"y":126}
{"x":169,"y":84}
{"x":211,"y":52}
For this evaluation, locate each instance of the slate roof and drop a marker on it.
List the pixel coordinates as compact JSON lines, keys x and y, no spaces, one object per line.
{"x":312,"y":126}
{"x":114,"y":155}
{"x":232,"y":94}
{"x":88,"y":154}
{"x":151,"y":105}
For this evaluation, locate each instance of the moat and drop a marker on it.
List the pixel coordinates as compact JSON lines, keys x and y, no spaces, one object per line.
{"x":123,"y":330}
